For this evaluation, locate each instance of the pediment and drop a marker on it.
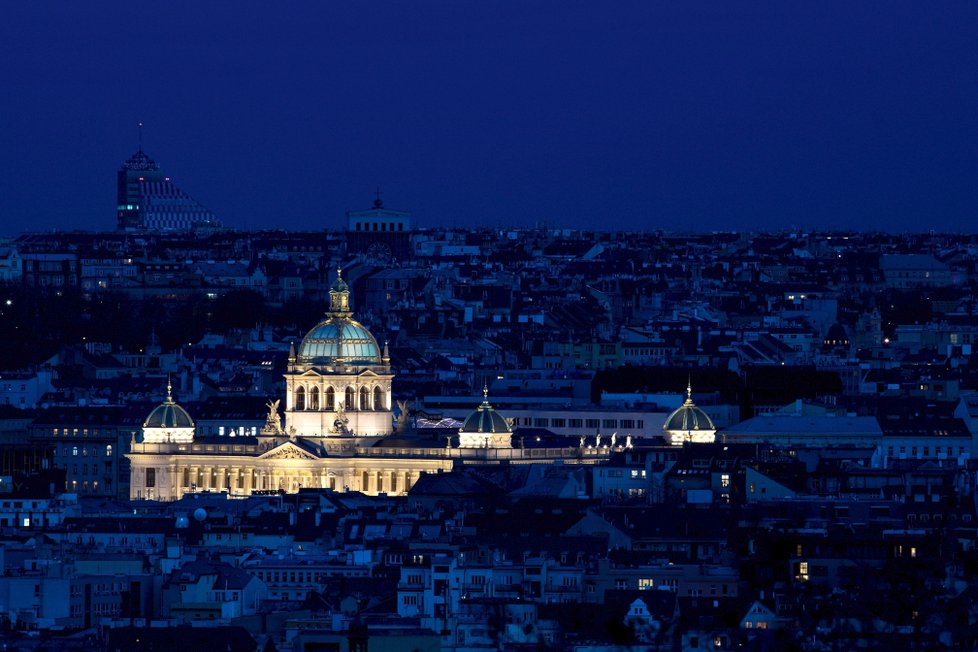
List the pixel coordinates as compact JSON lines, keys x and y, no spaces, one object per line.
{"x":287,"y":451}
{"x":367,"y":373}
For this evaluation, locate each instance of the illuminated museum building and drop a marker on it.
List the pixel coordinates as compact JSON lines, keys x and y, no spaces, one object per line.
{"x":337,"y":432}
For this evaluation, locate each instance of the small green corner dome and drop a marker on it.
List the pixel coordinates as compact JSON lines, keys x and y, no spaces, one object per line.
{"x":168,"y":415}
{"x":688,"y":417}
{"x":484,"y":419}
{"x":339,"y":340}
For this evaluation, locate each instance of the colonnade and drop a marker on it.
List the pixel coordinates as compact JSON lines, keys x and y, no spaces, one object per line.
{"x":244,"y":479}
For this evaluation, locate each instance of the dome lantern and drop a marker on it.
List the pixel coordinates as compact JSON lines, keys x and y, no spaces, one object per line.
{"x":339,"y":296}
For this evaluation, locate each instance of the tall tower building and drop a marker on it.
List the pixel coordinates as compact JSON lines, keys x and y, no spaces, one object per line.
{"x":148,"y":200}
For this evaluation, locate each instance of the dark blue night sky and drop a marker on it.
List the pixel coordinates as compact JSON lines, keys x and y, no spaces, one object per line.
{"x":625,"y":115}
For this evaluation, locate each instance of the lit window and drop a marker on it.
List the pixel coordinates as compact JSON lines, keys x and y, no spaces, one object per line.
{"x":803,"y":571}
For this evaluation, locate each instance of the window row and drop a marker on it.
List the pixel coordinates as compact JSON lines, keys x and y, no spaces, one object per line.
{"x":313,"y":399}
{"x":939,"y":451}
{"x":73,"y":432}
{"x":74,"y":450}
{"x":590,"y":424}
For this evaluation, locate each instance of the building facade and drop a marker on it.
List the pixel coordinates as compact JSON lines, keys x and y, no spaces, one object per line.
{"x":379,"y":233}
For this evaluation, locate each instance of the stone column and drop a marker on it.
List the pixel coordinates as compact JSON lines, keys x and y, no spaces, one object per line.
{"x":175,"y":478}
{"x":173,"y":490}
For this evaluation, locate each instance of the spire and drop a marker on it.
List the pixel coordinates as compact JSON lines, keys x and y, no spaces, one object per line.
{"x":485,"y":393}
{"x":169,"y":390}
{"x":291,"y":351}
{"x":689,"y":389}
{"x":386,"y":357}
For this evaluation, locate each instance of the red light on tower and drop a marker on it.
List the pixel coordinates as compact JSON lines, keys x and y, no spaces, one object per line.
{"x":142,"y":179}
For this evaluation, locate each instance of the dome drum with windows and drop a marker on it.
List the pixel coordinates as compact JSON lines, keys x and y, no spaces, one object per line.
{"x":689,"y":424}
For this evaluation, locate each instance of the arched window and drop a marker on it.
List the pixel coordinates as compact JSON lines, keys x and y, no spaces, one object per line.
{"x":364,"y":398}
{"x":379,"y":403}
{"x":300,"y":398}
{"x":330,"y":399}
{"x":351,"y":398}
{"x":108,"y":450}
{"x":314,"y":398}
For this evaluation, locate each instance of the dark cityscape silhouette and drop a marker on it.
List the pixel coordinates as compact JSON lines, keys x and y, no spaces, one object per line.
{"x":447,"y":326}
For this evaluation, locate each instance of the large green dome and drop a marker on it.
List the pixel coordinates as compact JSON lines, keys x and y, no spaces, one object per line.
{"x":339,"y":340}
